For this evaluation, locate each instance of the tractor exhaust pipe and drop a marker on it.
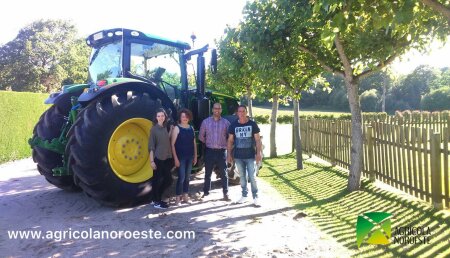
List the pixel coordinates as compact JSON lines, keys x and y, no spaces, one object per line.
{"x":201,"y":75}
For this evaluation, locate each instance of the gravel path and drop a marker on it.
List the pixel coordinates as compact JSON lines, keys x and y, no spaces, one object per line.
{"x":222,"y":229}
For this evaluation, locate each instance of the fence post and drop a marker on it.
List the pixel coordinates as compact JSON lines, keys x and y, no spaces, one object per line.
{"x":333,"y":144}
{"x":436,"y":181}
{"x":293,"y":135}
{"x":308,"y":141}
{"x":371,"y":156}
{"x":305,"y":139}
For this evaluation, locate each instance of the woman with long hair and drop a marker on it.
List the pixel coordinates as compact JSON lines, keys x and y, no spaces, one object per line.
{"x":160,"y":157}
{"x":184,"y":152}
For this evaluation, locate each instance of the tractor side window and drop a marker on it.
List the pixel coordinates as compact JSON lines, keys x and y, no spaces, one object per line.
{"x":156,"y":61}
{"x":105,"y":62}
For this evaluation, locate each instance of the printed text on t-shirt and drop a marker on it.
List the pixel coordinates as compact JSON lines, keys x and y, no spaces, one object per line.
{"x":243,"y":132}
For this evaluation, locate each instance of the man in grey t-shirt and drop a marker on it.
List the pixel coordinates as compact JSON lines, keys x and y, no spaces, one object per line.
{"x":244,"y":135}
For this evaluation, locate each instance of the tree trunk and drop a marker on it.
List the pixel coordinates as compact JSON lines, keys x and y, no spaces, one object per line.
{"x":356,"y":156}
{"x":351,"y":83}
{"x":383,"y":98}
{"x":249,"y":102}
{"x":438,"y":7}
{"x":273,"y":126}
{"x":297,"y":137}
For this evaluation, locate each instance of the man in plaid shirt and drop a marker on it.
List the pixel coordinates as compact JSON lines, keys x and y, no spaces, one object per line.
{"x":213,"y":133}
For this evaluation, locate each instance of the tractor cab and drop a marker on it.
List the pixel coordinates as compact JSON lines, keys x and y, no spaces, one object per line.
{"x":122,"y":53}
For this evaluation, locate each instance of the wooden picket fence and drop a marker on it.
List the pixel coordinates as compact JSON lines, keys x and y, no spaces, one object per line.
{"x":411,"y":157}
{"x":435,"y":121}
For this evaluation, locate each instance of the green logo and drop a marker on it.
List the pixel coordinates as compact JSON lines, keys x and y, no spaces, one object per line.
{"x":376,"y":226}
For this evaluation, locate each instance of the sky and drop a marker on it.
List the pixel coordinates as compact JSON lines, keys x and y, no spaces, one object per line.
{"x":438,"y":56}
{"x":172,"y":19}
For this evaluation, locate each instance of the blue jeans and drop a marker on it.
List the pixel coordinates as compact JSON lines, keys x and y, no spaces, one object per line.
{"x":247,"y":167}
{"x":184,"y":172}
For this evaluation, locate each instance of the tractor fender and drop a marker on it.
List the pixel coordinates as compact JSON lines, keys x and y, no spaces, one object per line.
{"x":151,"y":89}
{"x":67,"y":90}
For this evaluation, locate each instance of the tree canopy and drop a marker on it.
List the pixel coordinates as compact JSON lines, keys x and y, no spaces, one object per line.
{"x":235,"y":75}
{"x":42,"y":56}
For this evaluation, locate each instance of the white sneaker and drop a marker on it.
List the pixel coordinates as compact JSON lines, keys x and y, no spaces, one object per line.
{"x":256,"y":202}
{"x":242,"y":200}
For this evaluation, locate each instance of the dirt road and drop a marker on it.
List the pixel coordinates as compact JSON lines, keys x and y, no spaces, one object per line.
{"x":222,"y":229}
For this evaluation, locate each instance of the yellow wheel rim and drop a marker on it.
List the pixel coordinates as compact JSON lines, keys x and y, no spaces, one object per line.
{"x":128,"y":150}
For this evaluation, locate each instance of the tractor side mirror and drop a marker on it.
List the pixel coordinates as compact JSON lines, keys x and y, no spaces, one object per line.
{"x":213,"y":61}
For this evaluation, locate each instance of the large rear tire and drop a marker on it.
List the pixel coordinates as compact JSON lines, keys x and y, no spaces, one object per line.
{"x":108,"y":148}
{"x":49,"y":127}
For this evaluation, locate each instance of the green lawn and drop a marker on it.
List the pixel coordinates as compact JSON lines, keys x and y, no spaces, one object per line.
{"x":19,"y":112}
{"x":284,"y":111}
{"x":320,"y":192}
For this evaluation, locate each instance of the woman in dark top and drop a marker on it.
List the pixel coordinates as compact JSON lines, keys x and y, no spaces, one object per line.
{"x":184,"y":152}
{"x":160,"y":157}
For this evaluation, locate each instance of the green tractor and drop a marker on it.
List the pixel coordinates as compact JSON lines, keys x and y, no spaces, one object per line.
{"x":94,"y":137}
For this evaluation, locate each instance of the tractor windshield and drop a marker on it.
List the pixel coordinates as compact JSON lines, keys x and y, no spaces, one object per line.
{"x":156,"y":62}
{"x":105,"y":62}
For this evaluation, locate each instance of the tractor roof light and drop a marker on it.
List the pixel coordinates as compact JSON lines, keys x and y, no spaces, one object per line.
{"x":98,"y":36}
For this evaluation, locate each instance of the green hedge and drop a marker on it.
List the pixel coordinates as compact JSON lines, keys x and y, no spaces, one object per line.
{"x":287,"y":119}
{"x":19,"y":112}
{"x":406,"y":116}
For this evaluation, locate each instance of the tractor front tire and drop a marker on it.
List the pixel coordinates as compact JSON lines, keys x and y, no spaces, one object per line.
{"x":108,"y":148}
{"x":47,"y":128}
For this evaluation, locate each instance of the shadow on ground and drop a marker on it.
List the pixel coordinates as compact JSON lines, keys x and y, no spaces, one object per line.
{"x":320,"y":192}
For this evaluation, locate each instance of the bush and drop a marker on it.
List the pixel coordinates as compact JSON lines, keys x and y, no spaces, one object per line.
{"x":345,"y":117}
{"x":374,"y":116}
{"x":285,"y":119}
{"x":261,"y":119}
{"x":436,"y":100}
{"x":369,"y":100}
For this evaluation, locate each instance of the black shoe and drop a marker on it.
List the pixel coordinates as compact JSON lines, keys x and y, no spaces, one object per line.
{"x":161,"y":205}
